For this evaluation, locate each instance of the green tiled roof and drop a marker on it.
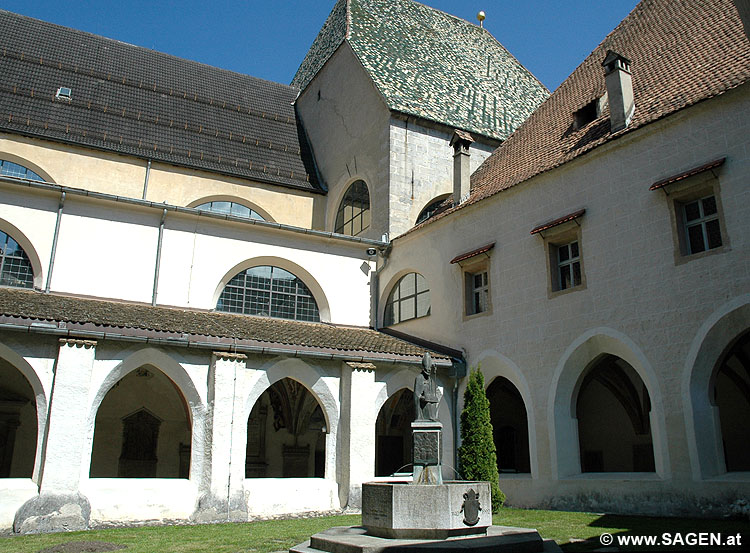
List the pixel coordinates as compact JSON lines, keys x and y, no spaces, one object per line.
{"x":430,"y":64}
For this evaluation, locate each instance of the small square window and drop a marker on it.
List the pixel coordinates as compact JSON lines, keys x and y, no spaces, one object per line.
{"x":697,"y":219}
{"x":702,"y":225}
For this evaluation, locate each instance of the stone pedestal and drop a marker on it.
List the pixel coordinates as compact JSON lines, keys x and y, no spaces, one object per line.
{"x":403,"y":510}
{"x":428,"y":452}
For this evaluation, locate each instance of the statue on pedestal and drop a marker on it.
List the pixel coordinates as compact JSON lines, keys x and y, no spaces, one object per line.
{"x":425,"y":391}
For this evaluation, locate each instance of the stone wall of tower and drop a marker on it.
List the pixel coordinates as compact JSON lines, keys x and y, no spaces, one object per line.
{"x":421,"y":169}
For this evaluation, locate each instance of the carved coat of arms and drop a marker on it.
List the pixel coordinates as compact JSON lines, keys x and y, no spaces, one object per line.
{"x":471,"y":508}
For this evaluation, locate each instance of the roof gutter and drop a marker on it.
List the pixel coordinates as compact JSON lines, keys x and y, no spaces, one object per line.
{"x":187,"y":210}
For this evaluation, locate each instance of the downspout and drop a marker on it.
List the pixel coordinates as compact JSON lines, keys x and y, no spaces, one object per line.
{"x":459,"y":372}
{"x":145,"y":182}
{"x":385,"y":252}
{"x":54,"y":242}
{"x":158,"y":256}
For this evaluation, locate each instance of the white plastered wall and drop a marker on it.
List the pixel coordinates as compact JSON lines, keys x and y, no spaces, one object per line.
{"x":634,"y":289}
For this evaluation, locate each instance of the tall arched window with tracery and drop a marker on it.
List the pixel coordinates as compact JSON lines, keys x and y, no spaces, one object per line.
{"x":10,"y":169}
{"x":15,"y":267}
{"x":353,"y":216}
{"x":409,"y":299}
{"x":269,"y":292}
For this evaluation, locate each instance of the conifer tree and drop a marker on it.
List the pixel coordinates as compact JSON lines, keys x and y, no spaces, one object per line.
{"x":477,"y":456}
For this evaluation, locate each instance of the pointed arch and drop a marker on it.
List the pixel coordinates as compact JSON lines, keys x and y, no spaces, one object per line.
{"x":712,"y":342}
{"x":495,"y":365}
{"x":194,"y":403}
{"x":315,"y":383}
{"x":28,"y":372}
{"x":566,"y":384}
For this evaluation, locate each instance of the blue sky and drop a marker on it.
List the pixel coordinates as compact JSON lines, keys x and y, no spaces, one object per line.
{"x":268,"y":39}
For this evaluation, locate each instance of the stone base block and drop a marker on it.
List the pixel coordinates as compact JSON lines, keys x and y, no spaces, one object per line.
{"x":405,"y":510}
{"x":217,"y":509}
{"x":53,"y":513}
{"x":499,"y":539}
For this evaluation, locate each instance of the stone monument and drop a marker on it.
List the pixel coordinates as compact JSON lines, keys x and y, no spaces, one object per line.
{"x":426,"y":514}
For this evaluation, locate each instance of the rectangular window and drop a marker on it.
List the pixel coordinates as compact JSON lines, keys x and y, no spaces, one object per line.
{"x":568,"y":265}
{"x":477,"y":292}
{"x":702,"y":230}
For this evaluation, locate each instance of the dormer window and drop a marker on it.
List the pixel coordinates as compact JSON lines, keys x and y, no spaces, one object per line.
{"x":586,"y":114}
{"x":64,"y":93}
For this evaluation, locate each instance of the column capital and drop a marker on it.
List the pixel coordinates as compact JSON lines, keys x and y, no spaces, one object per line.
{"x":78,"y":343}
{"x":229,"y":355}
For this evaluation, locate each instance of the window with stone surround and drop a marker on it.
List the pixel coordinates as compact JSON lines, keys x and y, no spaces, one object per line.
{"x":562,"y":243}
{"x":475,"y":267}
{"x":695,"y":208}
{"x":409,"y":299}
{"x":353,"y":216}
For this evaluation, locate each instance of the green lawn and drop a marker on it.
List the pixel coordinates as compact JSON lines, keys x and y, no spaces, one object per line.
{"x":573,"y":531}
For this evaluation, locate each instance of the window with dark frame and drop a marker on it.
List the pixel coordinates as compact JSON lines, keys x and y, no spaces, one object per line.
{"x":231,"y":208}
{"x":15,"y":267}
{"x":702,"y":229}
{"x":270,"y":292}
{"x":353,"y":216}
{"x":10,"y":169}
{"x":409,"y":299}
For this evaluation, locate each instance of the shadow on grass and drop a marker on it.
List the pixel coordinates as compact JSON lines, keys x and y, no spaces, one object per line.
{"x":637,"y":533}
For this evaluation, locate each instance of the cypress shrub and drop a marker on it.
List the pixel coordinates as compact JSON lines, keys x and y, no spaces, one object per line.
{"x":477,"y":457}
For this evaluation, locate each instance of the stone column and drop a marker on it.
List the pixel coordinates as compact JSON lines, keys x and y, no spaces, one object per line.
{"x":60,"y":506}
{"x":222,"y":495}
{"x":358,"y":422}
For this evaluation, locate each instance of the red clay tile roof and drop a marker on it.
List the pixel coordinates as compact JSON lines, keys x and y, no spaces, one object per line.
{"x":31,"y":310}
{"x":682,"y":52}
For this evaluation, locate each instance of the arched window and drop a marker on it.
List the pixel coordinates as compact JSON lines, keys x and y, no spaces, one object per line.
{"x":269,"y":292}
{"x":231,"y":208}
{"x":10,"y":169}
{"x":432,"y":208}
{"x":15,"y":267}
{"x":353,"y":216}
{"x":409,"y":299}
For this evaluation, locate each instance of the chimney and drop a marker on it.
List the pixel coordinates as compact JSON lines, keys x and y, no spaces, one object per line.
{"x":619,"y":90}
{"x":461,"y":142}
